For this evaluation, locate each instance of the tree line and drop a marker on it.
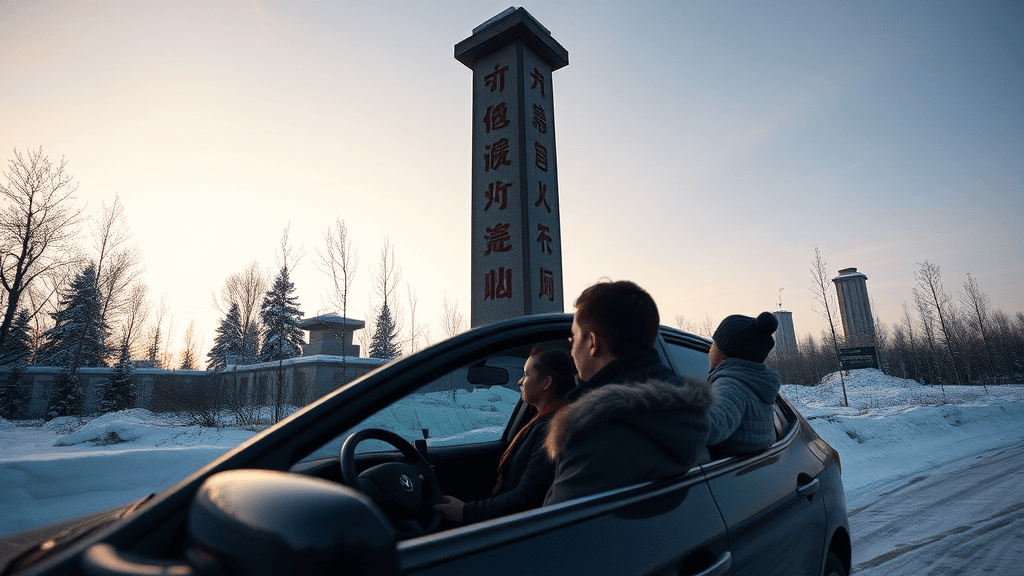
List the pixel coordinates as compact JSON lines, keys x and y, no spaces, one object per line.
{"x":73,"y":296}
{"x":941,"y":338}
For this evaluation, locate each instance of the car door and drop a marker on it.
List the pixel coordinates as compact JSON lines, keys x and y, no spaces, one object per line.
{"x":670,"y":527}
{"x":772,"y":507}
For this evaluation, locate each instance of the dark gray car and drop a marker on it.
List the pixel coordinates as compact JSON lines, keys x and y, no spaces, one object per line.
{"x":284,"y":502}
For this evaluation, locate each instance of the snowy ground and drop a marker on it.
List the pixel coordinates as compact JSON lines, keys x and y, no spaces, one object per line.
{"x":892,"y":430}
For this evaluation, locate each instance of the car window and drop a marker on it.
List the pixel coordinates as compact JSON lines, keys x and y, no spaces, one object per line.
{"x":470,"y":404}
{"x":686,"y":359}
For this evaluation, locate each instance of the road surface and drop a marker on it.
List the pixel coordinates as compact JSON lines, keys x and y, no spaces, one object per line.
{"x":962,"y":517}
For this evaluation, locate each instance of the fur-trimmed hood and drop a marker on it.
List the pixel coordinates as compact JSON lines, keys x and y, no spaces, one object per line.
{"x":671,"y":412}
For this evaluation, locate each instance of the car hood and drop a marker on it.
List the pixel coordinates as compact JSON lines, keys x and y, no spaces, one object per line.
{"x":23,"y":549}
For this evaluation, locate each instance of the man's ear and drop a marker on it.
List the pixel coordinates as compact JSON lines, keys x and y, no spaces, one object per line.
{"x":597,"y":345}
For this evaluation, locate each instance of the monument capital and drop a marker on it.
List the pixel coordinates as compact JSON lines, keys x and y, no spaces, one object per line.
{"x":504,"y":29}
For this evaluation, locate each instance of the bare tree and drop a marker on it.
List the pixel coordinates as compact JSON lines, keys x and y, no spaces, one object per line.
{"x":246,"y":289}
{"x":157,"y":335}
{"x":452,"y":321}
{"x":387,"y":277}
{"x":288,"y":256}
{"x":929,"y":288}
{"x":416,"y":331}
{"x":118,"y":260}
{"x":190,"y":351}
{"x":38,"y":224}
{"x":136,"y":312}
{"x":908,"y":327}
{"x":387,"y":316}
{"x":976,"y":303}
{"x":926,"y":318}
{"x":824,"y":299}
{"x":339,"y":261}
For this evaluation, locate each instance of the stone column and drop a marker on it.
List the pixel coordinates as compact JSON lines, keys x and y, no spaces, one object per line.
{"x":516,"y":245}
{"x":855,"y":307}
{"x":785,"y":335}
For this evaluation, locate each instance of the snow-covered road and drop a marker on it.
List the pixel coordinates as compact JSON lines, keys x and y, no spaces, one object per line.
{"x":965,"y":516}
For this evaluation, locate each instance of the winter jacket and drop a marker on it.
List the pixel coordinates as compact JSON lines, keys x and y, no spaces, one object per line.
{"x":525,"y":479}
{"x":633,"y":421}
{"x":743,"y":418}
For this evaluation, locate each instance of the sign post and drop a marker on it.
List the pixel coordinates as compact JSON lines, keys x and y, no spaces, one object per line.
{"x":516,"y":244}
{"x":856,"y":358}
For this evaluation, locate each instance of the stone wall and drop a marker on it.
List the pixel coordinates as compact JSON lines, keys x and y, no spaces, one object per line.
{"x":305,"y":380}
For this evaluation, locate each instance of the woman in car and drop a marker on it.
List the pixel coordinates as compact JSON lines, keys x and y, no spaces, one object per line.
{"x":524,"y":472}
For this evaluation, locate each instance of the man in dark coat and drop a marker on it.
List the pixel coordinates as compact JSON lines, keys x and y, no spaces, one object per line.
{"x":743,"y":418}
{"x":631,"y":419}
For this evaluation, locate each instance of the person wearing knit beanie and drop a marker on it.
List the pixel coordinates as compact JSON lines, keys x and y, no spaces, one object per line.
{"x":742,"y":420}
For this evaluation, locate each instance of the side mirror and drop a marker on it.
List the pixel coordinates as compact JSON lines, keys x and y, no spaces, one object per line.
{"x":487,"y":376}
{"x":262,"y":522}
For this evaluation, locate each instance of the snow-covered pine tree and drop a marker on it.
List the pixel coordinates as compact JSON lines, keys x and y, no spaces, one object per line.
{"x":79,"y":335}
{"x":119,"y":391}
{"x":17,"y":348}
{"x":280,"y":315}
{"x":66,"y":396}
{"x":227,"y":342}
{"x":385,"y":338}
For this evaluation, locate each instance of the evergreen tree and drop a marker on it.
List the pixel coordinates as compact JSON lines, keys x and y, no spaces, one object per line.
{"x":227,"y":342}
{"x":79,"y":334}
{"x":119,"y":391}
{"x":280,"y":314}
{"x":66,"y":396}
{"x":14,"y":394}
{"x":385,"y":338}
{"x":17,"y":348}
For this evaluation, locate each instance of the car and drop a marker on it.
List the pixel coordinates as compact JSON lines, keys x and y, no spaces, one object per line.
{"x":345,"y":485}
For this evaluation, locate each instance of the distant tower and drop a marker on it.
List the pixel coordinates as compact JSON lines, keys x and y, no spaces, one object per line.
{"x":858,"y":323}
{"x":785,"y":335}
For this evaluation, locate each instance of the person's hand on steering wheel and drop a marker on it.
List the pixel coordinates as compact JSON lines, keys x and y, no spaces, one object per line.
{"x":450,"y":508}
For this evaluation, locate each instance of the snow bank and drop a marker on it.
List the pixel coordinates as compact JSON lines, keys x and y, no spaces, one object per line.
{"x":894,"y":429}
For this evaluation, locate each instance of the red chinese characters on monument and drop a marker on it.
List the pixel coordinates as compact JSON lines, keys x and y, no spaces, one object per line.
{"x":541,"y":156}
{"x":540,"y":120}
{"x":496,"y":117}
{"x":496,"y":155}
{"x":498,"y":284}
{"x":496,"y":80}
{"x":542,"y":197}
{"x":498,"y":238}
{"x":547,"y":285}
{"x":538,"y":80}
{"x":543,"y":238}
{"x":498,"y":192}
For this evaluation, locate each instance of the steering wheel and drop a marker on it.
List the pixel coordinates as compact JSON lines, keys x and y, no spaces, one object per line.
{"x":405,"y":491}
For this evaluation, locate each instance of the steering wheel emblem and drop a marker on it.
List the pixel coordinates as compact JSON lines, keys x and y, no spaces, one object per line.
{"x":406,"y":482}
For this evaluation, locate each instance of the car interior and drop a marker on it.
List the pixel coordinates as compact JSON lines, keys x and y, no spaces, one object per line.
{"x":465,"y":468}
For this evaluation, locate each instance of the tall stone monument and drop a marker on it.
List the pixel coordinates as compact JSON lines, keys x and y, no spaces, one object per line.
{"x":785,"y":335}
{"x":855,"y":307}
{"x":517,"y":241}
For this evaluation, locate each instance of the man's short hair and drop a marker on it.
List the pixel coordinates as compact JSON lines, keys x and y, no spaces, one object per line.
{"x":623,"y":313}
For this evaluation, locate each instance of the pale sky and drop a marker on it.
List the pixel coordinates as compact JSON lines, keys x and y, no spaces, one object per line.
{"x":704,"y":149}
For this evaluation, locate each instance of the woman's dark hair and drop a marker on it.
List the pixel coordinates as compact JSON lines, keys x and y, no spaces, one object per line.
{"x":558,"y":365}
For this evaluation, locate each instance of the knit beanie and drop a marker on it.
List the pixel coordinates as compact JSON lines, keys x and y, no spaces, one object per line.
{"x":745,"y":337}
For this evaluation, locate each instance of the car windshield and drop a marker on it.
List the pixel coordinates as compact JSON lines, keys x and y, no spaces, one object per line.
{"x":468,"y":405}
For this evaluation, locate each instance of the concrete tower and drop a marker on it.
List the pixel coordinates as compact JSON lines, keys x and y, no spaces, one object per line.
{"x":855,"y":308}
{"x":785,"y":335}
